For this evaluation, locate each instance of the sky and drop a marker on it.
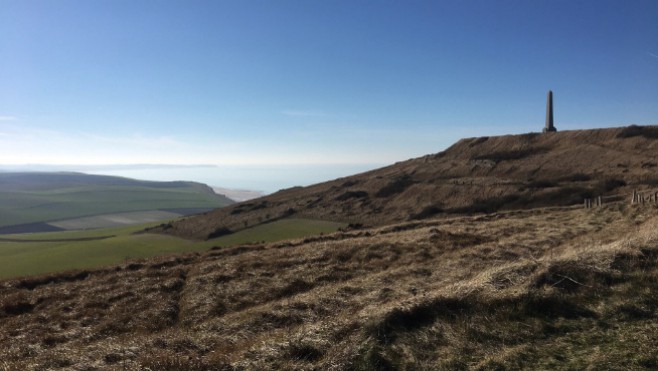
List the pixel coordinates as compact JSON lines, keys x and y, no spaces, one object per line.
{"x":307,"y":83}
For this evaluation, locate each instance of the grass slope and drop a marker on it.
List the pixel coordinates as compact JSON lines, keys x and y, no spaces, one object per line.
{"x":276,"y":231}
{"x":39,"y":197}
{"x":537,"y":289}
{"x":24,"y":255}
{"x":475,"y":175}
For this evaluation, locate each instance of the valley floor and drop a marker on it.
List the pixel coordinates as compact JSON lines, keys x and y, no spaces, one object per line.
{"x":536,"y":289}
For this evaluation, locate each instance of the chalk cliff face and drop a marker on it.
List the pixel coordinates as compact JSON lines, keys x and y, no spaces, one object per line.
{"x":474,"y":175}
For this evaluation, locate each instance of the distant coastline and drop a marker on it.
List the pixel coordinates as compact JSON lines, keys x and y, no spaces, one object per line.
{"x":261,"y":179}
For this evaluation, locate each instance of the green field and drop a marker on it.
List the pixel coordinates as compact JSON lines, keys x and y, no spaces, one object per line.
{"x":59,"y":251}
{"x":276,"y":231}
{"x":37,"y":206}
{"x":43,"y":197}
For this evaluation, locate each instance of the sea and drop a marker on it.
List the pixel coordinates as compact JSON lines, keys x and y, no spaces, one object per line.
{"x":265,"y":179}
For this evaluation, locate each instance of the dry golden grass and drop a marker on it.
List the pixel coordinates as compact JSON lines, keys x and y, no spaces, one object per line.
{"x":536,"y":289}
{"x":485,"y":174}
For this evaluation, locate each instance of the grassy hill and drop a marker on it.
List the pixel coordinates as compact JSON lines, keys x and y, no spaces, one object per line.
{"x":471,"y":258}
{"x":564,"y":288}
{"x":43,"y":197}
{"x":484,"y":174}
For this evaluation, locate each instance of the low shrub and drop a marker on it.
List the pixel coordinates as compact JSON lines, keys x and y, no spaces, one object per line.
{"x":352,"y":194}
{"x":649,"y":181}
{"x":33,"y":282}
{"x":542,"y":183}
{"x":515,"y":154}
{"x":577,"y":177}
{"x":249,"y":207}
{"x":611,"y":184}
{"x":649,"y":132}
{"x":489,"y":205}
{"x":427,"y":212}
{"x":398,"y":185}
{"x":219,"y":232}
{"x":477,"y":141}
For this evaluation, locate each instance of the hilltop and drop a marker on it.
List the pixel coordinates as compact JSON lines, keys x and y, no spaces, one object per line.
{"x":485,"y":174}
{"x":45,"y":201}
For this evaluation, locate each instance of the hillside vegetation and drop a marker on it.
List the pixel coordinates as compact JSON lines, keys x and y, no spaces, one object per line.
{"x":45,"y":197}
{"x":537,"y":289}
{"x":471,"y":258}
{"x":474,"y":175}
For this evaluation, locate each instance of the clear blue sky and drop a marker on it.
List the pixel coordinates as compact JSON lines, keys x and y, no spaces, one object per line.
{"x":311,"y":82}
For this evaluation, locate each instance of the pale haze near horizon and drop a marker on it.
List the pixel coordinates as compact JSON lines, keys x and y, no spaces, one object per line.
{"x":285,"y":93}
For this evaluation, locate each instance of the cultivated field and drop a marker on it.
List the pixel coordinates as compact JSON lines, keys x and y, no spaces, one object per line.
{"x":536,"y":289}
{"x":115,"y":220}
{"x":46,"y":197}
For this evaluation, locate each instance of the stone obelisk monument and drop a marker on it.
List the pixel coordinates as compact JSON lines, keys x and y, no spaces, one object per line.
{"x":549,"y":113}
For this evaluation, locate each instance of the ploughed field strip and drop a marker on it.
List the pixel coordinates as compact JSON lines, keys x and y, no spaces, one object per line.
{"x":117,"y":219}
{"x":102,"y":221}
{"x":544,"y":287}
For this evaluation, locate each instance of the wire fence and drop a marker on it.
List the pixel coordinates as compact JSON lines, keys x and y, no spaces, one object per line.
{"x":637,"y":198}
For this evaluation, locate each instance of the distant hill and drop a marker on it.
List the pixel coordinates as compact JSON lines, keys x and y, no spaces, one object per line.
{"x":35,"y":197}
{"x":483,"y":174}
